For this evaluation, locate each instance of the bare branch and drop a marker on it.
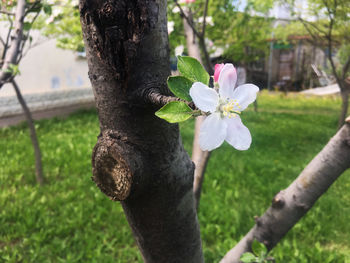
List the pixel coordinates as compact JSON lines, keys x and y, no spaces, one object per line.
{"x":154,"y":97}
{"x":205,"y":17}
{"x":330,"y":47}
{"x":16,"y":38}
{"x":312,"y":25}
{"x":25,"y":39}
{"x":188,"y":20}
{"x":34,"y":5}
{"x":317,"y":40}
{"x":7,"y":38}
{"x":2,"y":42}
{"x":6,"y":13}
{"x":346,"y":68}
{"x":291,"y":204}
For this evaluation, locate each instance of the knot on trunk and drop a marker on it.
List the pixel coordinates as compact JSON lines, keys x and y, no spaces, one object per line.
{"x":115,"y":165}
{"x":348,"y":120}
{"x":278,"y":201}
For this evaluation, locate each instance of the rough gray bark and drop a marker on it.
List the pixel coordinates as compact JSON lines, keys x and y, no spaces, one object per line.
{"x":16,"y":37}
{"x":139,"y":159}
{"x":291,"y":204}
{"x":33,"y":136}
{"x":200,"y":158}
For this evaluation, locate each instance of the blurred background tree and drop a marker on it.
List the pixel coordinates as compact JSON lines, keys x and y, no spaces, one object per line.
{"x":327,"y":25}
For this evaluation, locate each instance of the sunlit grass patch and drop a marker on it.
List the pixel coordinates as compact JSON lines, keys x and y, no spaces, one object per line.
{"x":70,"y":220}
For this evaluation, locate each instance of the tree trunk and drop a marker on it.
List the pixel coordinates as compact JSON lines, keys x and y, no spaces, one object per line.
{"x":199,"y":157}
{"x":344,"y":108}
{"x":291,"y":204}
{"x":33,"y":136}
{"x":139,"y":159}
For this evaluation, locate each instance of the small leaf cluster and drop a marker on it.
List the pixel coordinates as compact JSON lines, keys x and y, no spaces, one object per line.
{"x":259,"y":254}
{"x":13,"y":70}
{"x":191,"y":71}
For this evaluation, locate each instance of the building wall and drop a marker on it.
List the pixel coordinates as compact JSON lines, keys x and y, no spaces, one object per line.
{"x":292,"y":65}
{"x":46,"y":68}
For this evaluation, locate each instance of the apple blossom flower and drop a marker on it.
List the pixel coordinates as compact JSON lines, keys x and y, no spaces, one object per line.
{"x":208,"y":20}
{"x":223,"y":108}
{"x":171,"y":25}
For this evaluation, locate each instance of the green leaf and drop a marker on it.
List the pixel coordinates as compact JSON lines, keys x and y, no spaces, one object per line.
{"x":192,"y":69}
{"x":248,"y":258}
{"x":47,"y":9}
{"x":175,"y":111}
{"x":258,"y":248}
{"x":27,"y":26}
{"x":180,"y":86}
{"x":13,"y":70}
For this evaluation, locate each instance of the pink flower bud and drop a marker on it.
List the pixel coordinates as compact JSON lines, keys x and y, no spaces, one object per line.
{"x":218,"y":68}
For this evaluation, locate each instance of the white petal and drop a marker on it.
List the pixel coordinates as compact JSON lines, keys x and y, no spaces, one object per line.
{"x":212,"y":132}
{"x":227,"y":81}
{"x":205,"y":98}
{"x":245,"y":94}
{"x":238,"y":135}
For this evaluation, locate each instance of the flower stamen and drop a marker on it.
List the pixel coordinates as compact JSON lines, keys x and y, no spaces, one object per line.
{"x":230,"y":108}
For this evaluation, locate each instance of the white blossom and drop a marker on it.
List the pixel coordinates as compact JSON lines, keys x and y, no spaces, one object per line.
{"x":223,"y":108}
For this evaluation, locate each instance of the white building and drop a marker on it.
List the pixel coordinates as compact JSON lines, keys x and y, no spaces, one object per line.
{"x":49,"y":78}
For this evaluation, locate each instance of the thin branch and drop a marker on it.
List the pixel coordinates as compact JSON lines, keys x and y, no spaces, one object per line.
{"x":6,"y":13}
{"x":34,"y":5}
{"x":205,"y":17}
{"x":7,"y":39}
{"x":346,"y":68}
{"x":25,"y":39}
{"x":16,"y":38}
{"x":291,"y":204}
{"x":317,"y":40}
{"x":37,"y":43}
{"x":190,"y":23}
{"x":330,"y":12}
{"x":313,"y":25}
{"x":2,"y":42}
{"x":154,"y":97}
{"x":330,"y":47}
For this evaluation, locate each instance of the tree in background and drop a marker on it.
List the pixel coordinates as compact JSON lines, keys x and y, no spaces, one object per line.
{"x":242,"y":33}
{"x":327,"y":23}
{"x":20,"y":17}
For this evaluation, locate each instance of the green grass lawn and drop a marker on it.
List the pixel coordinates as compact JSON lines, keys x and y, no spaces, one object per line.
{"x":70,"y":220}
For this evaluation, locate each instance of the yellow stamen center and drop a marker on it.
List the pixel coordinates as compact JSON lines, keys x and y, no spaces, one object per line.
{"x":230,"y":108}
